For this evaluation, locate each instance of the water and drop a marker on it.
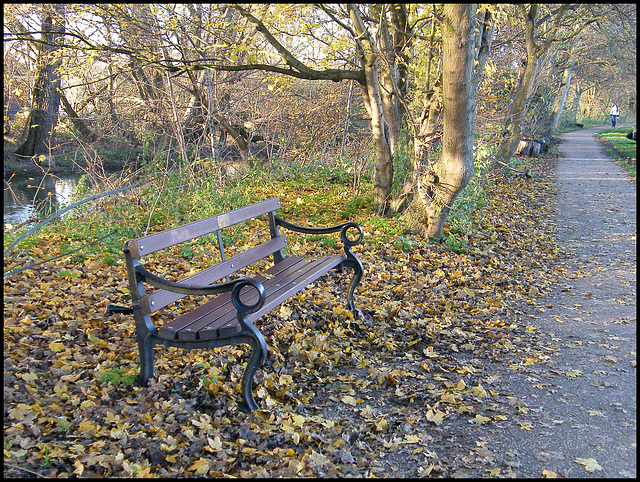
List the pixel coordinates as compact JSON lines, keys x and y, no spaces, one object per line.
{"x":23,"y":196}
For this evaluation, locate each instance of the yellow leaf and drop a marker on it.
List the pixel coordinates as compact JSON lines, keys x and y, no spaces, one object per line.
{"x":590,"y":465}
{"x":525,"y":426}
{"x":448,"y":398}
{"x":87,"y":404}
{"x":381,"y":425}
{"x":88,"y":428}
{"x":482,"y":418}
{"x":79,"y":467}
{"x":298,"y":420}
{"x":285,"y":312}
{"x":285,"y":380}
{"x":435,"y":417}
{"x":366,"y":411}
{"x":215,"y":443}
{"x":480,"y":391}
{"x":29,"y":377}
{"x":200,"y":466}
{"x":349,"y":400}
{"x":549,"y":474}
{"x":461,"y":385}
{"x":96,"y":340}
{"x":56,"y":346}
{"x":411,"y":439}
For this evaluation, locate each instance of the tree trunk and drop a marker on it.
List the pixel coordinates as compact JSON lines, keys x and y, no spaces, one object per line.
{"x":439,"y":187}
{"x":387,"y":72}
{"x":77,"y":122}
{"x":370,"y":61}
{"x":515,"y":125}
{"x":566,"y":83}
{"x":534,"y":54}
{"x":576,"y":104}
{"x":39,"y":131}
{"x":236,"y":135}
{"x":401,"y":40}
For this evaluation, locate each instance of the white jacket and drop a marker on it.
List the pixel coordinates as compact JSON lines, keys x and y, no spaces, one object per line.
{"x":615,"y":110}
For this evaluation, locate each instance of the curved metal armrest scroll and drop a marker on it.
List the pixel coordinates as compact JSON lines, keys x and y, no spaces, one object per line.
{"x":187,"y":289}
{"x":344,"y":227}
{"x":239,"y":304}
{"x":308,"y":230}
{"x":345,"y":238}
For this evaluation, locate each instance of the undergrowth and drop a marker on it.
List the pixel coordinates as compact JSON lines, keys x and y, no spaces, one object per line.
{"x":322,"y":195}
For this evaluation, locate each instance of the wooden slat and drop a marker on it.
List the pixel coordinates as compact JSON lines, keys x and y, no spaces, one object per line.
{"x":288,"y":288}
{"x":171,"y":329}
{"x":222,"y":311}
{"x":159,"y":299}
{"x":164,"y":239}
{"x":278,"y":289}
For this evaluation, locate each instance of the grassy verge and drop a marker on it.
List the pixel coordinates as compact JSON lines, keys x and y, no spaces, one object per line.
{"x":317,"y":195}
{"x":622,"y":150}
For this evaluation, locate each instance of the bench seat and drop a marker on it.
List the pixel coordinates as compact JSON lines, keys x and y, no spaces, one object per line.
{"x":218,"y":318}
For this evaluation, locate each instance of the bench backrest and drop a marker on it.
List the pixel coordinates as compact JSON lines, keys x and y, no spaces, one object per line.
{"x":137,"y":248}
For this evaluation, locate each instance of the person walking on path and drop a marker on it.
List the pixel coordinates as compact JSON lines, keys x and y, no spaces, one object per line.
{"x":615,"y":112}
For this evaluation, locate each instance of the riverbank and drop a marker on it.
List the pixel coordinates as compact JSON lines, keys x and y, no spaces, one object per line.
{"x":61,"y":162}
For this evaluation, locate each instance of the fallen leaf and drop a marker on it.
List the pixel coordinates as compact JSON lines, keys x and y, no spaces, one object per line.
{"x":56,"y":346}
{"x":590,"y":464}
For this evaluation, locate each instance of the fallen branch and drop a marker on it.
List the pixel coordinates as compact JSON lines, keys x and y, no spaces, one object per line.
{"x":518,"y":171}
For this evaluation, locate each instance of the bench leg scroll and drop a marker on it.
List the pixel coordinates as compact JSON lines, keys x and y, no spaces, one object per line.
{"x":357,"y":276}
{"x":258,"y":357}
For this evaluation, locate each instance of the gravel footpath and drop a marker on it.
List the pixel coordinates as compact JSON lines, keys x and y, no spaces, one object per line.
{"x":582,"y":405}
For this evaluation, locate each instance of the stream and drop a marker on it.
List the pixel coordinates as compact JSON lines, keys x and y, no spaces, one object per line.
{"x":24,"y":196}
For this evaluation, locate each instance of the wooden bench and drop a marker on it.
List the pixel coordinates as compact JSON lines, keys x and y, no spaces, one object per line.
{"x":229,"y":317}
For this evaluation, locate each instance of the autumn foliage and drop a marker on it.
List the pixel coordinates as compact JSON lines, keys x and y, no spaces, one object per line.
{"x":340,"y":396}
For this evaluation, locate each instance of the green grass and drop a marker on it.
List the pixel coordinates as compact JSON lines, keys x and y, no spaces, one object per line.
{"x":310,"y":193}
{"x":119,"y":377}
{"x":617,"y":145}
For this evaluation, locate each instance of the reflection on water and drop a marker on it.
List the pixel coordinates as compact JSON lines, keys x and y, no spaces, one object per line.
{"x":23,"y":196}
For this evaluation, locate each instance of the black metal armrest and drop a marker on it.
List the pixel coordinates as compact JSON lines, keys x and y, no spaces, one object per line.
{"x":187,"y":289}
{"x":344,"y":227}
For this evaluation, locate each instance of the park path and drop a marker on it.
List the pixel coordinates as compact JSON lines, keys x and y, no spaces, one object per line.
{"x":582,"y":405}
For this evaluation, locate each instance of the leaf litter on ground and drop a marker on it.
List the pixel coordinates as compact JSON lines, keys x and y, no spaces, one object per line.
{"x":340,"y":396}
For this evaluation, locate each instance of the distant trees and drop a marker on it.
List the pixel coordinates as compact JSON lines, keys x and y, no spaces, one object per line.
{"x":381,"y":37}
{"x":537,"y":44}
{"x":559,"y":46}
